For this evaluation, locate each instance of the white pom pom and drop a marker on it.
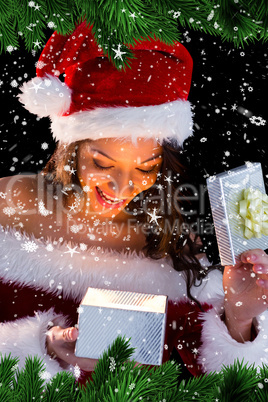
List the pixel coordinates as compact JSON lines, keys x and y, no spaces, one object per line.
{"x":46,"y":96}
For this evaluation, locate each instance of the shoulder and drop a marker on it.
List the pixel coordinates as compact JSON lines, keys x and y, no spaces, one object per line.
{"x":17,"y":198}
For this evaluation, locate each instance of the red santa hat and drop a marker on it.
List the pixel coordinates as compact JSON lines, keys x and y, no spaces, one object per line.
{"x":96,"y":100}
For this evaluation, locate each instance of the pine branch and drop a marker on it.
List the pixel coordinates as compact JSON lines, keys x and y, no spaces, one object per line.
{"x":117,"y":354}
{"x":237,"y":382}
{"x":262,"y":386}
{"x":8,"y":367}
{"x":29,"y":383}
{"x":63,"y":387}
{"x":60,"y":13}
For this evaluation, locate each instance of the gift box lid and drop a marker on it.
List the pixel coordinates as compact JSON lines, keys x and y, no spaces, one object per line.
{"x":125,"y":300}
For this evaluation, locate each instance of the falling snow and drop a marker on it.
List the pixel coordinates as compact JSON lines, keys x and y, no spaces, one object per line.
{"x":29,"y":246}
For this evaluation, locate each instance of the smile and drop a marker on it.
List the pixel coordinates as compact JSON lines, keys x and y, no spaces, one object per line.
{"x":106,"y":200}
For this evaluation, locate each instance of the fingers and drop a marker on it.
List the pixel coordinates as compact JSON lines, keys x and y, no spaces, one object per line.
{"x":70,"y":334}
{"x":259,"y":261}
{"x":255,"y":256}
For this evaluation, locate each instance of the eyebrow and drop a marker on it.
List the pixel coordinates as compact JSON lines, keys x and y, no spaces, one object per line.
{"x":102,"y":153}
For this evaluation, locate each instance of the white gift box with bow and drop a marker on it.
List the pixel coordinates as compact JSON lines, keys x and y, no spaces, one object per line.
{"x":240,"y":224}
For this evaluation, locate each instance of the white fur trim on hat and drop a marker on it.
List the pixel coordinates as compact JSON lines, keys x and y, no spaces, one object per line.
{"x":46,"y":96}
{"x":171,"y":121}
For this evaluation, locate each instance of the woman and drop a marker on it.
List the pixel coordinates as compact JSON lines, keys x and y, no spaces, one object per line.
{"x":104,"y":213}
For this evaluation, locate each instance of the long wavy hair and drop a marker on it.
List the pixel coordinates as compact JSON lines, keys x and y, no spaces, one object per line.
{"x":171,"y":235}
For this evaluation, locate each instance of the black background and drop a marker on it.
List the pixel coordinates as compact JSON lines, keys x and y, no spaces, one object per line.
{"x":224,"y":78}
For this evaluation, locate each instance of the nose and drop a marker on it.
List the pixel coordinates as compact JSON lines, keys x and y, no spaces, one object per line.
{"x":122,"y":185}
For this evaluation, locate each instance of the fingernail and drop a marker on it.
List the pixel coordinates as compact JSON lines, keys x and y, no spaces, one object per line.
{"x":251,"y":257}
{"x":258,"y":269}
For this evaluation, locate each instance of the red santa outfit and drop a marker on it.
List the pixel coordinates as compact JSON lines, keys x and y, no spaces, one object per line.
{"x":43,"y":281}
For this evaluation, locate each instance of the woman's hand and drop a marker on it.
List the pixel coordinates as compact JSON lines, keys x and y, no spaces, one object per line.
{"x":246,"y":292}
{"x":61,"y":345}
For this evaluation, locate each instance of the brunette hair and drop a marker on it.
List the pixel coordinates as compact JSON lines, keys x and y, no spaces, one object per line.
{"x":175,"y":242}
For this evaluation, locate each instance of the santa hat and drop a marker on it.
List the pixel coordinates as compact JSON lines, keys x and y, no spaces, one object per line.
{"x":96,"y":100}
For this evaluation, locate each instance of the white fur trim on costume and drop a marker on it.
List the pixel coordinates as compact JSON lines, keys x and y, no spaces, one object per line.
{"x":46,"y":96}
{"x":26,"y":337}
{"x":218,"y":347}
{"x":55,"y":269}
{"x":171,"y":121}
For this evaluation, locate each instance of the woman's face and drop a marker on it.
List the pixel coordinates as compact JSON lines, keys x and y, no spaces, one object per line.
{"x":112,"y":172}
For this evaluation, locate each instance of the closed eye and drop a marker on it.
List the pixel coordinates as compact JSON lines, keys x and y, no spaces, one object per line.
{"x":110,"y":167}
{"x":101,"y":167}
{"x":148,"y":171}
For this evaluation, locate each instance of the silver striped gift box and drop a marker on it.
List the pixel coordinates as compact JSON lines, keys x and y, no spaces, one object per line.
{"x":105,"y":314}
{"x":225,"y":191}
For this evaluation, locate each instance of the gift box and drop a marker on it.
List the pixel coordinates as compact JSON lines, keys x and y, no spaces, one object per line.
{"x":106,"y":314}
{"x":240,"y":211}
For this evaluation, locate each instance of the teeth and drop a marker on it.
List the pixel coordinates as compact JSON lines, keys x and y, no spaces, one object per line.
{"x":107,"y":198}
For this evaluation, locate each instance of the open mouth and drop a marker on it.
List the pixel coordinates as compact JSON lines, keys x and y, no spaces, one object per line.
{"x":107,"y":200}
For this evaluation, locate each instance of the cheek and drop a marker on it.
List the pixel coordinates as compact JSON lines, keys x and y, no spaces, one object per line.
{"x":89,"y":175}
{"x":147,"y":182}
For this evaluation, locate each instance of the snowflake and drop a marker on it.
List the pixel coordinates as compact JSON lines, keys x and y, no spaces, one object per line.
{"x":18,"y":236}
{"x":132,"y":385}
{"x":211,"y":15}
{"x":258,"y":120}
{"x":238,"y":304}
{"x":77,"y":371}
{"x":176,"y":14}
{"x":9,"y":211}
{"x":83,"y":246}
{"x":96,"y":222}
{"x":71,"y":250}
{"x":67,"y":168}
{"x":112,"y":364}
{"x":29,"y":246}
{"x":234,"y":107}
{"x":42,"y":210}
{"x":45,"y":375}
{"x":144,"y":182}
{"x":80,"y":310}
{"x":168,"y":179}
{"x":3,"y":195}
{"x":10,"y":48}
{"x":31,"y":4}
{"x":40,"y":64}
{"x":49,"y":247}
{"x":76,"y":228}
{"x":44,"y":145}
{"x":118,"y":52}
{"x":86,"y":189}
{"x":14,"y":84}
{"x":154,"y":217}
{"x":15,"y":367}
{"x":51,"y":24}
{"x":227,"y":153}
{"x":203,"y":139}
